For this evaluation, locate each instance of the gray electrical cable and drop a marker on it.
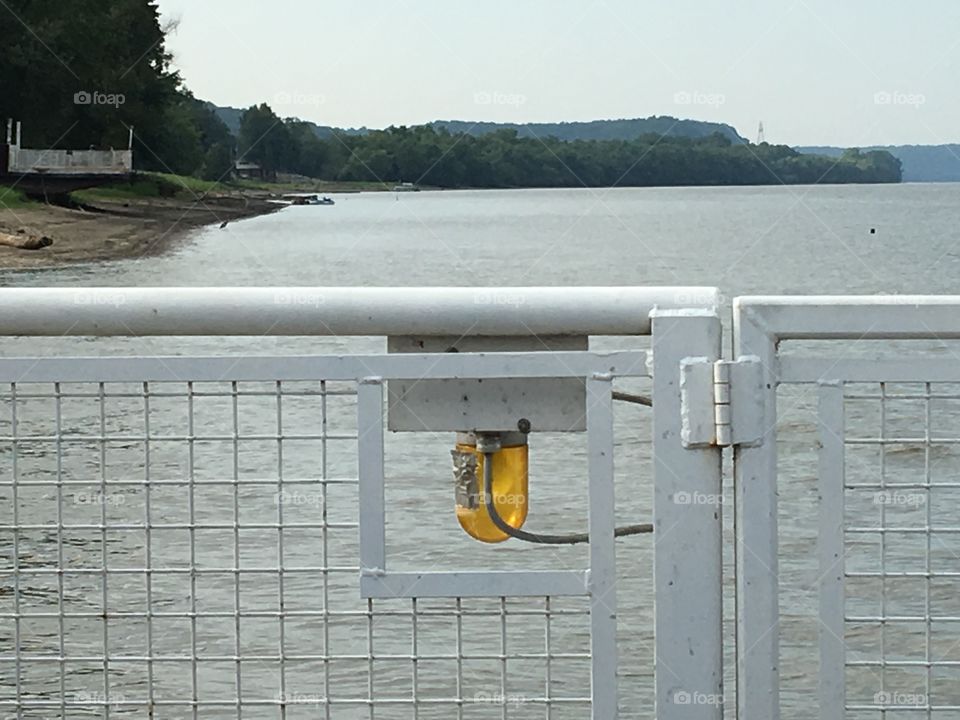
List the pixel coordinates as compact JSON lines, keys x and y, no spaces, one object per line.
{"x":572,"y":539}
{"x":631,"y":398}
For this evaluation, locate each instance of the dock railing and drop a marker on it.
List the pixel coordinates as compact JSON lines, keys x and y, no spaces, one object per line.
{"x":239,"y":536}
{"x":69,"y":162}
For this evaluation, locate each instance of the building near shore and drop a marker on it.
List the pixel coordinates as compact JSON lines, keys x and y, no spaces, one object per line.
{"x":248,"y":171}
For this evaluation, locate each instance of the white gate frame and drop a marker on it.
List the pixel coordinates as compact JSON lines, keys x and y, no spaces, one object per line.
{"x":759,"y":325}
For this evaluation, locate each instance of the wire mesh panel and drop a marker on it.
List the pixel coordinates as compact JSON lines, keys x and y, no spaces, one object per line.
{"x":189,"y":549}
{"x":902,"y":547}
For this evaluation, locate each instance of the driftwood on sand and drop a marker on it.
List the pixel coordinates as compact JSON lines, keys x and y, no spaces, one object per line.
{"x":25,"y":241}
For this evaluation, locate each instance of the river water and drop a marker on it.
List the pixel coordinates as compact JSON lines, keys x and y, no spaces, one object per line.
{"x":817,"y":240}
{"x":744,"y":240}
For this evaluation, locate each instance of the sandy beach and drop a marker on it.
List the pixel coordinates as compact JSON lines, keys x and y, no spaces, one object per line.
{"x":114,"y":230}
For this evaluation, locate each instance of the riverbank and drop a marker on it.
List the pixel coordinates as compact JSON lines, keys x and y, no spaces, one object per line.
{"x":142,"y":217}
{"x":115,"y":229}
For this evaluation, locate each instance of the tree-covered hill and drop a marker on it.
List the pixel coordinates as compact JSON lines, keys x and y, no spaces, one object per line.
{"x":76,"y":80}
{"x":433,"y":155}
{"x":233,"y":117}
{"x":625,"y":129}
{"x":503,"y":159}
{"x":84,"y":73}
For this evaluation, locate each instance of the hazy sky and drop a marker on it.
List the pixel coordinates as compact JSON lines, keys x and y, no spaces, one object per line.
{"x":840,"y":72}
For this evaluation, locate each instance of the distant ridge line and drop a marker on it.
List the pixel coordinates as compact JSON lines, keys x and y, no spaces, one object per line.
{"x":614,"y":129}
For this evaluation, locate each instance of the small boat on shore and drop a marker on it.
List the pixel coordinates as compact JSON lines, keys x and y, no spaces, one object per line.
{"x":306,"y":199}
{"x":406,"y":187}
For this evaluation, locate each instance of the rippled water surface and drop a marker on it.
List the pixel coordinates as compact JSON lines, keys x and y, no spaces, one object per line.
{"x":82,"y":455}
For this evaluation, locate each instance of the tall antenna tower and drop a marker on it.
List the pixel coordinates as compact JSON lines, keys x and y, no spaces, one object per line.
{"x":761,"y":136}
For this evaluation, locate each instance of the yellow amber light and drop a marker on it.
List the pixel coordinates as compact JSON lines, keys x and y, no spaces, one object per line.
{"x":510,"y":479}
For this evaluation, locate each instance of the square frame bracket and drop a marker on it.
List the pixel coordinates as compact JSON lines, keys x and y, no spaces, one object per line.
{"x":377,"y":581}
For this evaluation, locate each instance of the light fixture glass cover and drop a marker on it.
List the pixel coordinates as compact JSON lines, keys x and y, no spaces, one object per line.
{"x":510,"y":481}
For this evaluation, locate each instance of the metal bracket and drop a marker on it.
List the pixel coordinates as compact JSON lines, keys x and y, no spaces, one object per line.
{"x":721,"y":403}
{"x":457,"y":404}
{"x":697,"y":424}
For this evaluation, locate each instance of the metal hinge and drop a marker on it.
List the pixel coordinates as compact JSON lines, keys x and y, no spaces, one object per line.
{"x":721,"y":402}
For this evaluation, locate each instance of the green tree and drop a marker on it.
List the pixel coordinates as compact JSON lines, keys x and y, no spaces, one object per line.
{"x":311,"y":154}
{"x":265,"y":139}
{"x":217,"y":162}
{"x":78,"y":46}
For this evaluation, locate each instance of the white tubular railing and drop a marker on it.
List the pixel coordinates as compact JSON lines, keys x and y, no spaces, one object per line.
{"x":521,"y":311}
{"x":825,"y":317}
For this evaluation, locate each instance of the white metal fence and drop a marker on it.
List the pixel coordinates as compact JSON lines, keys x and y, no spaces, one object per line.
{"x":217,"y":537}
{"x":238,"y":536}
{"x":80,"y":162}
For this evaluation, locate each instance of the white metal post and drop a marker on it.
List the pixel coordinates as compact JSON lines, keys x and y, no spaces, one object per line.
{"x":755,"y":513}
{"x":688,"y":530}
{"x":603,"y":561}
{"x":370,"y":469}
{"x":830,"y":543}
